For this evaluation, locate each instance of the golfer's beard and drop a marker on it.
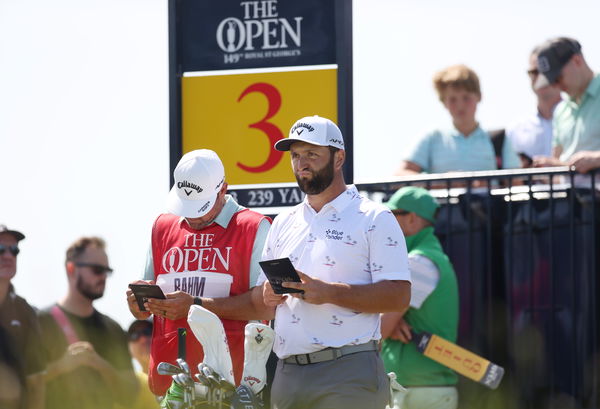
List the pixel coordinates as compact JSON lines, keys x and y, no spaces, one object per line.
{"x":86,"y":291}
{"x":320,"y":181}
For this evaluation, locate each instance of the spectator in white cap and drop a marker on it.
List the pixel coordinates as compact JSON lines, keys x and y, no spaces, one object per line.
{"x":23,"y":337}
{"x":204,"y":251}
{"x":351,"y":257}
{"x":576,"y":121}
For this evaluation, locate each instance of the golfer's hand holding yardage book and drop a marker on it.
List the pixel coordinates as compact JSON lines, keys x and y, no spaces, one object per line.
{"x":278,"y":271}
{"x":459,"y":359}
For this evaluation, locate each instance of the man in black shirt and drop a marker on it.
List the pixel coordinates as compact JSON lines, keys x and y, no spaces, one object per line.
{"x":21,"y":346}
{"x":89,"y":365}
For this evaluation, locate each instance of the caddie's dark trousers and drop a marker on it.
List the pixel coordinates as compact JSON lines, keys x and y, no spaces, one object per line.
{"x":355,"y":381}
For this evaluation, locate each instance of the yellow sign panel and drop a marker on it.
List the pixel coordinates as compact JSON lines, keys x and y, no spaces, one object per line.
{"x":241,"y":116}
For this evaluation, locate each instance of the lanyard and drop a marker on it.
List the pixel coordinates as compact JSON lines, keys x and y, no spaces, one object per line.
{"x":63,"y":322}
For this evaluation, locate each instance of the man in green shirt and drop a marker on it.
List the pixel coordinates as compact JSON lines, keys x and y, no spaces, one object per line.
{"x":576,"y":123}
{"x":433,"y":308}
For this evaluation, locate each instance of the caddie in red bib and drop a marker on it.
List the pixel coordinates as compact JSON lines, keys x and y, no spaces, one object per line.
{"x":205,"y":251}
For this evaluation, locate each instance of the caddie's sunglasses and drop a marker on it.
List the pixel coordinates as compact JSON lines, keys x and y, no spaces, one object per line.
{"x":14,"y":249}
{"x":97,"y":269}
{"x":144,"y":332}
{"x":533,"y":72}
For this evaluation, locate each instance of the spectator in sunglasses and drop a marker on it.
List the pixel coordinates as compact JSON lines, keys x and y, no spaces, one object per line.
{"x":533,"y":136}
{"x":576,"y":121}
{"x":21,"y":340}
{"x":140,"y":338}
{"x":89,"y":365}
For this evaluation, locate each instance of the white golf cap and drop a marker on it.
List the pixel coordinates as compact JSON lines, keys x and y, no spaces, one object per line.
{"x":199,"y":176}
{"x":315,"y":130}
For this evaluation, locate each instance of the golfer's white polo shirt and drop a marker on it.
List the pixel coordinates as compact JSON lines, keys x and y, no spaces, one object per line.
{"x":351,"y":240}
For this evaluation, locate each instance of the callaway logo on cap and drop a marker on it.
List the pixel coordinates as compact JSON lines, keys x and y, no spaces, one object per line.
{"x":199,"y":176}
{"x":315,"y":130}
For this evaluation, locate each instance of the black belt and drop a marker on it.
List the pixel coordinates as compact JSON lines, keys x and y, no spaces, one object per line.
{"x":329,"y":354}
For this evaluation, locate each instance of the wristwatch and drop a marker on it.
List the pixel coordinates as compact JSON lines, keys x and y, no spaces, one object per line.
{"x":198,"y":301}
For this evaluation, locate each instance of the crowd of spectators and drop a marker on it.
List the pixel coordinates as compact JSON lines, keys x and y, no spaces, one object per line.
{"x":564,"y":131}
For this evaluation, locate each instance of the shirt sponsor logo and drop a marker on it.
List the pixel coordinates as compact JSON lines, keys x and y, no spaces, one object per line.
{"x":334,"y":234}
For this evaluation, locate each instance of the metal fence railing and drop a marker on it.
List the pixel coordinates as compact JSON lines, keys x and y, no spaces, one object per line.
{"x":525,"y":247}
{"x":524,"y":244}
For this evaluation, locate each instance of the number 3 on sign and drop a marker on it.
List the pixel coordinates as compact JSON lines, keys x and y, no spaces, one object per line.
{"x":271,"y":131}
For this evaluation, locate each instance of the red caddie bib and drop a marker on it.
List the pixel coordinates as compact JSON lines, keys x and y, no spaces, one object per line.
{"x":188,"y":259}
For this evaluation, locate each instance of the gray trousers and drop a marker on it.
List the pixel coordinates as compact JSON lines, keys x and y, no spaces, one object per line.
{"x":355,"y":381}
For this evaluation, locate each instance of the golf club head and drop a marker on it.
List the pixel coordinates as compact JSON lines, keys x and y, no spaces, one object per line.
{"x":214,"y":381}
{"x":165,"y":368}
{"x":203,"y":379}
{"x":258,"y":343}
{"x":183,"y":365}
{"x":228,"y":389}
{"x":206,"y":370}
{"x":186,"y":380}
{"x":209,"y":331}
{"x":176,"y":379}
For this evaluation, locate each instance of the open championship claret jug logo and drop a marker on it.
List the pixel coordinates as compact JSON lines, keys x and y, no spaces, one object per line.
{"x":259,"y":33}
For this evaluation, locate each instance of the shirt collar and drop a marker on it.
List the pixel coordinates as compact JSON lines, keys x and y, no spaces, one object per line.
{"x":594,"y":88}
{"x":591,"y":91}
{"x":340,"y":202}
{"x":230,"y":208}
{"x":456,"y":133}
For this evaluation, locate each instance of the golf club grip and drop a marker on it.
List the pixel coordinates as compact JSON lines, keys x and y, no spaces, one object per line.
{"x":181,"y":334}
{"x":458,"y":359}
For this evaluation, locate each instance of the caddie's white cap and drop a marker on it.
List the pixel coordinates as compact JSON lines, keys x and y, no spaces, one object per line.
{"x":315,"y":130}
{"x":199,"y":176}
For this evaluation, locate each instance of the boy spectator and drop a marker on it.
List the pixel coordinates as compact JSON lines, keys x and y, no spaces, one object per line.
{"x":465,"y":146}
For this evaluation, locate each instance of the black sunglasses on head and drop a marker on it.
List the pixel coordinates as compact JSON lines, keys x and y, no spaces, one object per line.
{"x":14,"y":249}
{"x":97,"y":269}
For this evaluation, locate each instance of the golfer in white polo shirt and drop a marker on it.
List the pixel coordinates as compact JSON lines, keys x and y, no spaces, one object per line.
{"x":351,"y":257}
